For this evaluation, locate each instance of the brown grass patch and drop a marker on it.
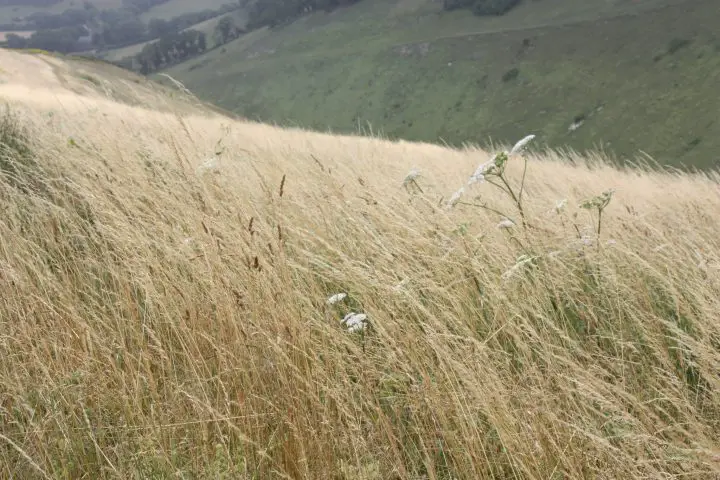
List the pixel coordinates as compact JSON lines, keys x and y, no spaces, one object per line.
{"x":159,"y":318}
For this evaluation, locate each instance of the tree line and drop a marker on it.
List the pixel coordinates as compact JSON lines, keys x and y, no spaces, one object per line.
{"x":170,"y":49}
{"x":276,"y":12}
{"x":482,"y":7}
{"x":176,"y":47}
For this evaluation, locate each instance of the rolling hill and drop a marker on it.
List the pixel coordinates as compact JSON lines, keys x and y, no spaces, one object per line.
{"x":630,"y":78}
{"x":177,"y":288}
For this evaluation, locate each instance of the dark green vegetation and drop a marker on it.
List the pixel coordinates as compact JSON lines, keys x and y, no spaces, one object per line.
{"x":170,"y":49}
{"x":272,"y":13}
{"x":627,"y":78}
{"x":483,"y":7}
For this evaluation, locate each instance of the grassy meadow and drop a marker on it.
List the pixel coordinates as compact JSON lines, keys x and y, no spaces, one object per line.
{"x":165,"y":275}
{"x":591,"y":75}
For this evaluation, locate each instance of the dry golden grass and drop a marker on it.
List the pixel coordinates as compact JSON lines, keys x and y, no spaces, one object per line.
{"x":162,"y":320}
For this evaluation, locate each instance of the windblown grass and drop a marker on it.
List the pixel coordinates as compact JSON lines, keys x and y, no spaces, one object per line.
{"x":164,"y":307}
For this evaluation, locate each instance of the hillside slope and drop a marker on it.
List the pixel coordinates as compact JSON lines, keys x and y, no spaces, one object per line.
{"x":165,"y":275}
{"x":634,"y":76}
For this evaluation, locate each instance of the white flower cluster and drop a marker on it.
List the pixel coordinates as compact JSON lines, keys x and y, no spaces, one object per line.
{"x":494,"y":166}
{"x":354,"y":322}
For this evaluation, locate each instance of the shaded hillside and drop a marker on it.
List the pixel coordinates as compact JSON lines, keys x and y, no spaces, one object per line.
{"x":625,"y":77}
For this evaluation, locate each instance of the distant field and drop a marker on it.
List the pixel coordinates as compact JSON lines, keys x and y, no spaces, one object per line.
{"x":173,"y":8}
{"x":120,"y":53}
{"x":7,"y":14}
{"x":627,"y":77}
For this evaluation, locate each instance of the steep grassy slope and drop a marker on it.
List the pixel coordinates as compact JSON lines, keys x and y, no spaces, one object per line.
{"x":164,"y":275}
{"x":639,"y":76}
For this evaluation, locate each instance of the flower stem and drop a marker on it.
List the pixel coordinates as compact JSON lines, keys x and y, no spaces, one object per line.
{"x":515,"y":199}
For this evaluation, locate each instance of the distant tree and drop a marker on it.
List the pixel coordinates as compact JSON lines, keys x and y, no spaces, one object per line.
{"x":225,"y":30}
{"x":15,"y":41}
{"x":170,"y":49}
{"x":72,"y":17}
{"x":494,"y":7}
{"x":63,"y":40}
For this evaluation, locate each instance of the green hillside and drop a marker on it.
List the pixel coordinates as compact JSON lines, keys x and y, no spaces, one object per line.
{"x":627,"y":77}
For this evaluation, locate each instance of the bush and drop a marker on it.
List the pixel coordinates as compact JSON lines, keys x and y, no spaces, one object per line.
{"x":511,"y":74}
{"x":677,"y":44}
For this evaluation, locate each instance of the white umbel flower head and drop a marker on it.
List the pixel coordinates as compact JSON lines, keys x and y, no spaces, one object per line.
{"x":209,"y":165}
{"x":482,"y":169}
{"x":456,"y":197}
{"x":522,"y":260}
{"x":506,"y":223}
{"x":338,"y":297}
{"x":519,"y":146}
{"x":411,"y":176}
{"x":355,"y":322}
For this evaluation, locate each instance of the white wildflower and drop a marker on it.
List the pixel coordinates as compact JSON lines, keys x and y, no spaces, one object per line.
{"x":522,"y":260}
{"x":411,"y":176}
{"x":506,"y":223}
{"x":519,"y":146}
{"x":560,"y":205}
{"x":482,"y":169}
{"x":456,"y":197}
{"x":208,"y":165}
{"x":338,"y":297}
{"x":354,"y":322}
{"x":476,"y":179}
{"x":611,"y":242}
{"x":575,"y":125}
{"x":400,"y":285}
{"x":356,"y":328}
{"x":661,"y":247}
